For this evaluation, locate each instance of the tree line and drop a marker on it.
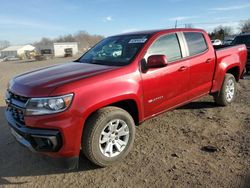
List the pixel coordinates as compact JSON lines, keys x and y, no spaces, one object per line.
{"x":83,"y":38}
{"x":86,"y":40}
{"x":221,"y":32}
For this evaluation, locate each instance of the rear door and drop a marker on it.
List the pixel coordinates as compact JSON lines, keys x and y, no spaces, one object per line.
{"x":165,"y":87}
{"x":202,"y":64}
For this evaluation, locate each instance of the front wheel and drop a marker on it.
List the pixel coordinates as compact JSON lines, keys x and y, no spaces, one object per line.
{"x":108,"y":136}
{"x":228,"y":91}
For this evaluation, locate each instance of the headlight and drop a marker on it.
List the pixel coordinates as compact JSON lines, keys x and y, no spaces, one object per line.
{"x":49,"y":105}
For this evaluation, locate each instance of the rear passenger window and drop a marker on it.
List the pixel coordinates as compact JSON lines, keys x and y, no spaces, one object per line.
{"x":196,"y":43}
{"x":166,"y":45}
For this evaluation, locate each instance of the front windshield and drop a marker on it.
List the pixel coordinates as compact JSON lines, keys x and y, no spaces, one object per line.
{"x":115,"y":51}
{"x":245,"y":39}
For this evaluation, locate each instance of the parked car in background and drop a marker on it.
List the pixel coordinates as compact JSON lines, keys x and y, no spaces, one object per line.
{"x":227,"y":41}
{"x":244,"y":39}
{"x":94,"y":103}
{"x":216,"y":42}
{"x":11,"y":58}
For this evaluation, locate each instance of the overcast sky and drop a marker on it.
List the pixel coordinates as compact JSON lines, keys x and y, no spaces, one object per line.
{"x":27,"y":21}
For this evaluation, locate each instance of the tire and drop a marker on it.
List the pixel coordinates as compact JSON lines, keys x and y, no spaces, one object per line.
{"x":100,"y":143}
{"x":227,"y":93}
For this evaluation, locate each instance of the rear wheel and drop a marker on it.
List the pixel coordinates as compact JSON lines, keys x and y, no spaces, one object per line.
{"x":228,"y":91}
{"x":108,"y":136}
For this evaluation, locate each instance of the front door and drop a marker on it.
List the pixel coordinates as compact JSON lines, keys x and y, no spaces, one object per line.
{"x":165,"y":87}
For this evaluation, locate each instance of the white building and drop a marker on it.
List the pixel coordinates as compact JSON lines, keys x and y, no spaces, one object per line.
{"x":16,"y":51}
{"x":63,"y":49}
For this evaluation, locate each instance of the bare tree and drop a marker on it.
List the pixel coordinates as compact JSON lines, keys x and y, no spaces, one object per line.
{"x":84,"y":40}
{"x":66,"y":38}
{"x":4,"y":44}
{"x":245,"y":26}
{"x":221,"y":32}
{"x":44,"y":42}
{"x":189,"y":25}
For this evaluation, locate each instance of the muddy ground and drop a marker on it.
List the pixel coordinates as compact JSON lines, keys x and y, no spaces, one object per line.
{"x":167,"y":150}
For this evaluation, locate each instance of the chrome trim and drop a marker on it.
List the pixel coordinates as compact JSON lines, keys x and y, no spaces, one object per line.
{"x":52,"y":97}
{"x":183,"y":44}
{"x":22,"y":140}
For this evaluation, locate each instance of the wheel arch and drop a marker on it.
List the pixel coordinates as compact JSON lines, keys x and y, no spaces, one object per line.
{"x":130,"y":105}
{"x":235,"y":71}
{"x":222,"y":70}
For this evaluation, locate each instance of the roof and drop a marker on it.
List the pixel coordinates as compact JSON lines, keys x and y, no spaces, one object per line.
{"x":15,"y":48}
{"x":11,"y":48}
{"x":151,"y":32}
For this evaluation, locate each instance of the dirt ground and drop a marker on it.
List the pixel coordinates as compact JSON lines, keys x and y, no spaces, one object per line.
{"x":167,"y":150}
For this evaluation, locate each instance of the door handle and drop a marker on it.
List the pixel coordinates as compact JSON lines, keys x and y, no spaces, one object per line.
{"x":183,"y":68}
{"x":209,"y":60}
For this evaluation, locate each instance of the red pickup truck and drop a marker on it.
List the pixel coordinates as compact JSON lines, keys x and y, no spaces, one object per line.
{"x":94,"y":103}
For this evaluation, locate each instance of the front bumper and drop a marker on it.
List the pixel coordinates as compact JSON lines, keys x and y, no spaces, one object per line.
{"x":37,"y":140}
{"x":54,"y":135}
{"x":41,"y":140}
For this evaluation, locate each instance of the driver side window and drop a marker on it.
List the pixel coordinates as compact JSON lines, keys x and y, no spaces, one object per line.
{"x":167,"y":45}
{"x":110,"y":50}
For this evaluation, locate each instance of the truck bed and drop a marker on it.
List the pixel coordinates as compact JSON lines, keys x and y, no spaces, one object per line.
{"x":228,"y":56}
{"x":238,"y":53}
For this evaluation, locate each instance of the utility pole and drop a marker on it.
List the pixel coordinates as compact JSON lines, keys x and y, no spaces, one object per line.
{"x":176,"y":22}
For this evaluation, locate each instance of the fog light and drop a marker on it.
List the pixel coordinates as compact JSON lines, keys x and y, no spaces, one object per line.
{"x":45,"y":143}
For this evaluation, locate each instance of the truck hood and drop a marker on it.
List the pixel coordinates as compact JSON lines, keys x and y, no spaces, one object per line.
{"x":42,"y":82}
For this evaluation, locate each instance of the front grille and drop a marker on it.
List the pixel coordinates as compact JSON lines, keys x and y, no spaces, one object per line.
{"x":18,"y":97}
{"x":16,"y":105}
{"x":17,"y":114}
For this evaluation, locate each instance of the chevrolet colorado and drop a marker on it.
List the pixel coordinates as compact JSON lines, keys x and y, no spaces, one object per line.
{"x":94,"y":103}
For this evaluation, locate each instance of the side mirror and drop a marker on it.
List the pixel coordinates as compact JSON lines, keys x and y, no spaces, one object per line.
{"x":157,"y":61}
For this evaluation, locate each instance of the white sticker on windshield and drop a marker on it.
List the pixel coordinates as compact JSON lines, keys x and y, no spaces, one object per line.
{"x":138,"y":40}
